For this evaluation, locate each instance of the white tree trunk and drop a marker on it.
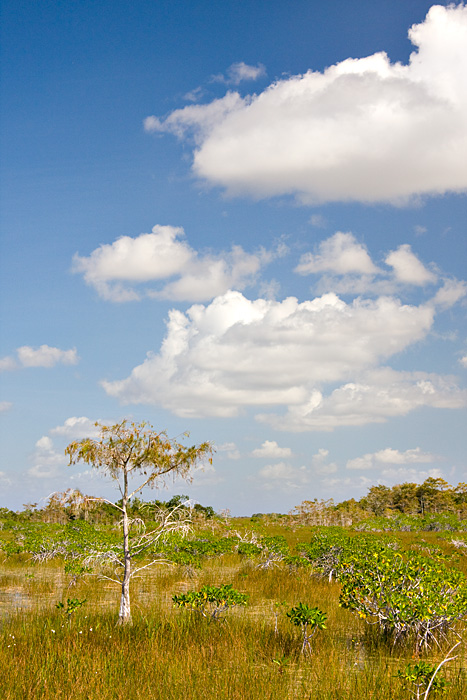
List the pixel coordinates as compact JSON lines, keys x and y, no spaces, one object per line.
{"x":124,"y":616}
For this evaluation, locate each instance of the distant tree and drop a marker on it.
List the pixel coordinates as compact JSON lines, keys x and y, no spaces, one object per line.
{"x":405,"y":499}
{"x":125,"y":451}
{"x":176,"y":501}
{"x":30,"y":511}
{"x":435,"y":496}
{"x":349,"y":511}
{"x":6,"y":514}
{"x":63,"y":506}
{"x":207,"y":511}
{"x":378,"y":500}
{"x":315,"y":512}
{"x":460,"y":499}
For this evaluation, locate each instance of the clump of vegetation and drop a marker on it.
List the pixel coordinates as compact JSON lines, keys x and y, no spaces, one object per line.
{"x":71,"y":606}
{"x":310,"y":620}
{"x":211,"y":601}
{"x":405,"y":596}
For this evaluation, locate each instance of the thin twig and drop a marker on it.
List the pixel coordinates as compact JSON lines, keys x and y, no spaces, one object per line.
{"x":444,"y":661}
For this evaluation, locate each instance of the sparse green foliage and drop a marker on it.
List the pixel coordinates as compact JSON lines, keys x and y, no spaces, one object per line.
{"x":249,"y":549}
{"x":129,"y":449}
{"x":71,"y":605}
{"x":282,"y":663}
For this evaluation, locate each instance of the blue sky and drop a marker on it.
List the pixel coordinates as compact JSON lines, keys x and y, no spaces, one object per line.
{"x":245,"y":220}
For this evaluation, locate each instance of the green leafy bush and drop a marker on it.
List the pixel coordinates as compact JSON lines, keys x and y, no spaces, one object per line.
{"x":405,"y":597}
{"x":310,"y":620}
{"x":211,"y":601}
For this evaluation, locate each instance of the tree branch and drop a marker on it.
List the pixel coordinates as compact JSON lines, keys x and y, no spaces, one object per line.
{"x":153,"y":478}
{"x":151,"y":563}
{"x":104,"y":500}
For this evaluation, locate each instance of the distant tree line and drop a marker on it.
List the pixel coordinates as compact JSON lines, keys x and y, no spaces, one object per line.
{"x":433,"y":497}
{"x":63,"y":507}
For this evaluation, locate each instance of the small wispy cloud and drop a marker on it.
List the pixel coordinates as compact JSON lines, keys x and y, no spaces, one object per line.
{"x":240,"y":72}
{"x":420,"y":230}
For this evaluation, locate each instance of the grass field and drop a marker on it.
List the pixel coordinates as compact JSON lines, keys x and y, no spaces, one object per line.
{"x":170,"y":653}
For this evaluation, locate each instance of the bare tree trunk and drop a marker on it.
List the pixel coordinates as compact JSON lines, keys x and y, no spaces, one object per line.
{"x":124,"y":616}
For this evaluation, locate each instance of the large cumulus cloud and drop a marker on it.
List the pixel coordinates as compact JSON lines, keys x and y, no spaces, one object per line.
{"x":363,"y":130}
{"x":236,"y":352}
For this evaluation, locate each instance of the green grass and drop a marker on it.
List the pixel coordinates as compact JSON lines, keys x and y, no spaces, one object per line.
{"x":174,"y":654}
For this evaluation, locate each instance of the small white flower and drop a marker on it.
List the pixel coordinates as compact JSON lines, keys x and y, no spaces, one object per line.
{"x":53,"y":631}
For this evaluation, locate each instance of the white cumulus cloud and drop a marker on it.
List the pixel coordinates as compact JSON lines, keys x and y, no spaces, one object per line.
{"x":233,"y":353}
{"x":117,"y":270}
{"x":345,"y":266}
{"x":46,"y":356}
{"x":406,"y":474}
{"x":363,"y":130}
{"x":230,"y":449}
{"x":47,"y":462}
{"x":320,"y":464}
{"x":408,"y":268}
{"x":5,"y":479}
{"x":391,"y":456}
{"x":7,"y":364}
{"x":285,"y":476}
{"x":43,"y":356}
{"x":450,"y":293}
{"x":77,"y":428}
{"x":340,"y":253}
{"x":270,"y":448}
